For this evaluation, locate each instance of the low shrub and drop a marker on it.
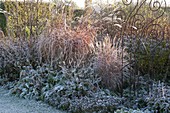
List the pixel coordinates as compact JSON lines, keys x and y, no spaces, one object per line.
{"x":13,"y":55}
{"x":152,"y":96}
{"x":159,"y":98}
{"x":151,"y":56}
{"x":75,"y":90}
{"x":131,"y":111}
{"x":32,"y":81}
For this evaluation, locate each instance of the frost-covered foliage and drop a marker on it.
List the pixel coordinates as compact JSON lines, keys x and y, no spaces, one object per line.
{"x":154,"y":96}
{"x":158,"y":99}
{"x":15,"y":53}
{"x":74,"y":90}
{"x":79,"y":90}
{"x":131,"y":111}
{"x":32,"y":81}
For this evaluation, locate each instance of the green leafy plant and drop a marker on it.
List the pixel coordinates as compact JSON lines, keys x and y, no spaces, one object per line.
{"x":152,"y":58}
{"x":27,"y":19}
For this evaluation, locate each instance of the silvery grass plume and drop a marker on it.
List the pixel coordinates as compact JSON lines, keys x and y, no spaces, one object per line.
{"x":108,"y":64}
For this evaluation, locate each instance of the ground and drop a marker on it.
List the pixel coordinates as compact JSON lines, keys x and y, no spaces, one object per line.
{"x":12,"y":104}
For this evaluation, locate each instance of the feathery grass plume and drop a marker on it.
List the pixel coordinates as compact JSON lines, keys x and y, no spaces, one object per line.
{"x":108,"y":64}
{"x":69,"y":46}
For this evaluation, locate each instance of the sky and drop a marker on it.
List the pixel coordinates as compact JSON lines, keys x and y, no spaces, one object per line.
{"x":80,"y":3}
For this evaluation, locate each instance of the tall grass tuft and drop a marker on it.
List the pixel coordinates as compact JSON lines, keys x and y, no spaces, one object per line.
{"x":108,"y":64}
{"x":70,"y":47}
